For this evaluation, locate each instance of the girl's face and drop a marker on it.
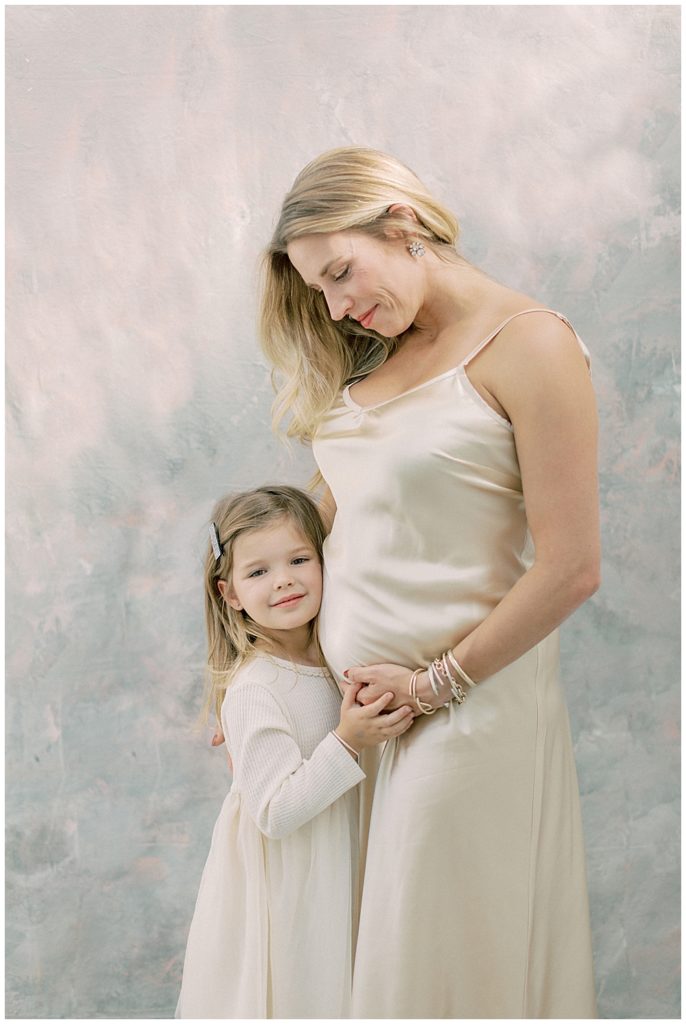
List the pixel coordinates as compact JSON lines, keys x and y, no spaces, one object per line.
{"x":378,"y":283}
{"x":276,"y":578}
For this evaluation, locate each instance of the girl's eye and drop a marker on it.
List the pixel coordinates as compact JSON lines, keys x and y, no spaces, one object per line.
{"x":343,"y":274}
{"x":300,"y":559}
{"x":256,"y":572}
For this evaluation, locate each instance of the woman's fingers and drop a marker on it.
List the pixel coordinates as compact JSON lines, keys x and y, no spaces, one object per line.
{"x":367,"y":694}
{"x":360,"y":674}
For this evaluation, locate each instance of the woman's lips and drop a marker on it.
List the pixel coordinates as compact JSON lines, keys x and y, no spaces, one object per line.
{"x":368,"y":316}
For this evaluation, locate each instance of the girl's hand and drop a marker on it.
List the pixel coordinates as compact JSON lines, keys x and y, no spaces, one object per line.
{"x":365,"y":725}
{"x":379,"y":679}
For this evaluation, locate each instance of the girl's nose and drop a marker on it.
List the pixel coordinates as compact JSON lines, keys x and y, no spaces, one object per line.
{"x":284,"y":579}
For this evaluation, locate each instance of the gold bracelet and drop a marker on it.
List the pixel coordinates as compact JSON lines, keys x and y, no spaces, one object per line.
{"x":425,"y":708}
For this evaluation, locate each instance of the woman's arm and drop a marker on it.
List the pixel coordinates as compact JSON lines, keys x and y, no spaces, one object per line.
{"x":541,"y":380}
{"x":543,"y":383}
{"x":327,"y":507}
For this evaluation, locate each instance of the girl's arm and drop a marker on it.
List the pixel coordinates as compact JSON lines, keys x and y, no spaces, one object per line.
{"x":543,"y":383}
{"x":282,"y":789}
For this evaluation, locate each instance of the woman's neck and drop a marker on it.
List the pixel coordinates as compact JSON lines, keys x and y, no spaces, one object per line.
{"x":454,"y":291}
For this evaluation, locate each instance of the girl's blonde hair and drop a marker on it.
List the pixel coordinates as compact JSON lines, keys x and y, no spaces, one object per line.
{"x":312,"y":355}
{"x":232,"y":635}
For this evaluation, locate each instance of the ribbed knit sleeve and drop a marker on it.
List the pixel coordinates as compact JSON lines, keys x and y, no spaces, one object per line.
{"x":282,"y":790}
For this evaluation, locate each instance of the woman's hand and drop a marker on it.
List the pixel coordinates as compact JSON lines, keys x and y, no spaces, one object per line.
{"x":367,"y":725}
{"x":379,"y":679}
{"x":217,"y":741}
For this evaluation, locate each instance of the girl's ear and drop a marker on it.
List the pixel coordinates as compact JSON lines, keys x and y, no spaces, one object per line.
{"x":227,"y":593}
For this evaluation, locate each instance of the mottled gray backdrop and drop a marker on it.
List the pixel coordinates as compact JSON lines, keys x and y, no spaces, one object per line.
{"x":148,"y":151}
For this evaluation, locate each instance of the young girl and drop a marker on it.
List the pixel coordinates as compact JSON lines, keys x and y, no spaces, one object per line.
{"x":274,"y":924}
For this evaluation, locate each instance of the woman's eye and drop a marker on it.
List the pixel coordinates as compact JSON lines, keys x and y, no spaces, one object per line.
{"x":343,"y":274}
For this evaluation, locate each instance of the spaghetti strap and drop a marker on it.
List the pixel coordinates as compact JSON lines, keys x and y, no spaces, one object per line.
{"x":522,"y":312}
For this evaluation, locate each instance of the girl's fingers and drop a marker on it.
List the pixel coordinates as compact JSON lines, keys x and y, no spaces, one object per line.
{"x":349,"y":696}
{"x":399,"y":715}
{"x":378,"y":705}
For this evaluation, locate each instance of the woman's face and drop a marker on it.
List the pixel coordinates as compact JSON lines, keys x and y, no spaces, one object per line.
{"x":378,"y":283}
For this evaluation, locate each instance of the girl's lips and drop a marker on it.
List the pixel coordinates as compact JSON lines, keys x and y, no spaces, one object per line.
{"x":368,"y":317}
{"x":288,"y":600}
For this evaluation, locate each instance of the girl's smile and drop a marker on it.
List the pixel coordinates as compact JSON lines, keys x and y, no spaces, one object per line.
{"x":277,"y":580}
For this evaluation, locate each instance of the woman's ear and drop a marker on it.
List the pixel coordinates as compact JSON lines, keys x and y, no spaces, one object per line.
{"x":406,"y":213}
{"x":227,"y":593}
{"x":402,"y":210}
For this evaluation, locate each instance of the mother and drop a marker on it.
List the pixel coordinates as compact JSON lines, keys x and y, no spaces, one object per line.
{"x":454,"y":424}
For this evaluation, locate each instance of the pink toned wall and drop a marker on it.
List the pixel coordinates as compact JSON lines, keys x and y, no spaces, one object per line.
{"x":148,"y":150}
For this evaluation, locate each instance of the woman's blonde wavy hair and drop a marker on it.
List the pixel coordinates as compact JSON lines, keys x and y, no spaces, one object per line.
{"x":232,"y":636}
{"x":312,"y":355}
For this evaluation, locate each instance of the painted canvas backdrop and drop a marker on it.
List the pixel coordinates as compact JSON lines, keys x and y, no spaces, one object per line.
{"x":148,"y":151}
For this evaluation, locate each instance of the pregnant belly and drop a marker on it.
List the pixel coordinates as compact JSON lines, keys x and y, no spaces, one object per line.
{"x":367,"y":621}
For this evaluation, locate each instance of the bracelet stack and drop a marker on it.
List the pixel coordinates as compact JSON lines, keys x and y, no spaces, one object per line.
{"x":443,"y":672}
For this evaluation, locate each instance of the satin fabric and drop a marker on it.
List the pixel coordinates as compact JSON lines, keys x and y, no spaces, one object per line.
{"x":474,"y":902}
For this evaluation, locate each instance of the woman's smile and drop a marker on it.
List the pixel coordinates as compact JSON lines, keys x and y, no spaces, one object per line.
{"x":366,"y":318}
{"x":348,"y":268}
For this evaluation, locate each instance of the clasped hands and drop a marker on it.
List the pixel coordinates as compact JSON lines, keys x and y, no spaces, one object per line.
{"x":375,"y":681}
{"x":379,"y":679}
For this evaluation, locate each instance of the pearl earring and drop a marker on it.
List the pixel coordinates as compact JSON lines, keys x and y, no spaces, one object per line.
{"x":416,"y":248}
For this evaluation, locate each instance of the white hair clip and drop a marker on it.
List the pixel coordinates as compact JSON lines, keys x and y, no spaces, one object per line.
{"x":214,"y":541}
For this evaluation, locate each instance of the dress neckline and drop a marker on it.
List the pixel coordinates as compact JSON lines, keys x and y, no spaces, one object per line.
{"x":352,"y":404}
{"x":293,"y":666}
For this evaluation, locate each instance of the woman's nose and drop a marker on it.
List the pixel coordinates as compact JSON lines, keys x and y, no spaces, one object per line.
{"x":338,"y":306}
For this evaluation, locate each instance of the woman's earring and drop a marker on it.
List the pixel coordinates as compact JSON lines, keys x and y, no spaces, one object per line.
{"x":416,"y":248}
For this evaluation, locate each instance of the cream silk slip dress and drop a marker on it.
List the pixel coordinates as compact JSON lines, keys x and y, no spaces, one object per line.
{"x":474,"y":902}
